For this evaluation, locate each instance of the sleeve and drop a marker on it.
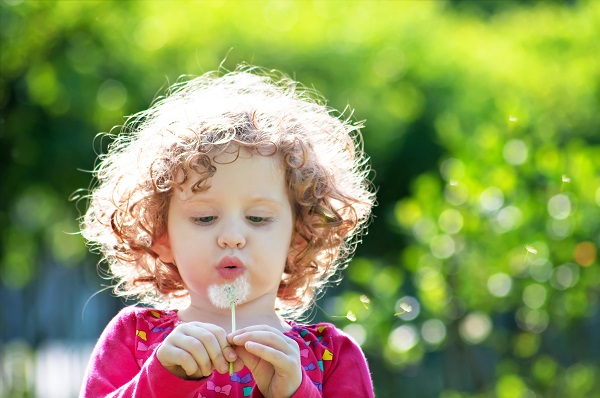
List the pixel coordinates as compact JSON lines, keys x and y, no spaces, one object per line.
{"x":113,"y":370}
{"x":308,"y":389}
{"x":347,"y":376}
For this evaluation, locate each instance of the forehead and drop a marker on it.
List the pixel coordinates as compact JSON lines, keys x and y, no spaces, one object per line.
{"x":238,"y":173}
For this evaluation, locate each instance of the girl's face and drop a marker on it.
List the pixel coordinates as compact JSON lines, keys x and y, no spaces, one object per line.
{"x":240,"y":227}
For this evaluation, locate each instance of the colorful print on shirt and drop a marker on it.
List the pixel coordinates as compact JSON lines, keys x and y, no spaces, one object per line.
{"x":316,"y":354}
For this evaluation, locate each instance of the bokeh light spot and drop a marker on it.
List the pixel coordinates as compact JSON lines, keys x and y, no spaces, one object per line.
{"x":433,"y":331}
{"x":491,"y":199}
{"x":559,"y":229}
{"x":357,"y":331}
{"x":585,"y":254}
{"x":534,"y":320}
{"x":442,"y":246}
{"x":475,"y":327}
{"x":534,"y":296}
{"x":526,"y":345}
{"x":403,"y":338}
{"x":112,"y":95}
{"x":151,"y":34}
{"x":451,"y":221}
{"x":452,"y":169}
{"x":499,"y":284}
{"x":559,"y":206}
{"x":509,"y":218}
{"x":564,"y":276}
{"x":515,"y":152}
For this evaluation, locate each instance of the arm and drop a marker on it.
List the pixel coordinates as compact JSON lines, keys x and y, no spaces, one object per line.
{"x":349,"y":374}
{"x":346,"y":372}
{"x":346,"y":375}
{"x":113,"y":370}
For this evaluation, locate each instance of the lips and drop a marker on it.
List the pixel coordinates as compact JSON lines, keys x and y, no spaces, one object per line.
{"x":230,"y":268}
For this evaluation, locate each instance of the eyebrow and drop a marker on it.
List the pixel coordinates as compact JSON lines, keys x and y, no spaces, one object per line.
{"x":204,"y":197}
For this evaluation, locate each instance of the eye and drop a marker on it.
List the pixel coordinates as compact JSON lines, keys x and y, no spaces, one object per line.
{"x":204,"y":220}
{"x":259,"y":220}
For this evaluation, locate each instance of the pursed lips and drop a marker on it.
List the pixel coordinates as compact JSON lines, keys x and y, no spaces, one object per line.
{"x":230,"y":267}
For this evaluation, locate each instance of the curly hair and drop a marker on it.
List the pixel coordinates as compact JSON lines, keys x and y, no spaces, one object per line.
{"x":266,"y":113}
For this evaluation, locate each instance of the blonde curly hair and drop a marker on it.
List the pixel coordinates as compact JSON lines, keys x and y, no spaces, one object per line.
{"x":266,"y":113}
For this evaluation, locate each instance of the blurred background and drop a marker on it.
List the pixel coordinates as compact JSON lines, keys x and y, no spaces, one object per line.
{"x":480,"y":275}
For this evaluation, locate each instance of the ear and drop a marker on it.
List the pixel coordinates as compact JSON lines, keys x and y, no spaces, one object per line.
{"x":162,"y":247}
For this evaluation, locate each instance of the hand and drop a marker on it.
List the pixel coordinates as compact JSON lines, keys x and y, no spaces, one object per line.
{"x":193,"y":350}
{"x":272,"y":357}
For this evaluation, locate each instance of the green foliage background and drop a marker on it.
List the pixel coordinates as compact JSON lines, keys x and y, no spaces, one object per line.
{"x":480,"y":274}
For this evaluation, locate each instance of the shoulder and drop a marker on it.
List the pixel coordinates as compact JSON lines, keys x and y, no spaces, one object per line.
{"x":142,"y":318}
{"x":324,"y":337}
{"x":318,"y":331}
{"x":130,"y":313}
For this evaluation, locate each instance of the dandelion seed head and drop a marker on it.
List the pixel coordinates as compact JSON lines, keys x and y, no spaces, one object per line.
{"x":222,"y":296}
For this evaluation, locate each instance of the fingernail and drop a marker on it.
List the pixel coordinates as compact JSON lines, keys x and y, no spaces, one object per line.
{"x":232,"y":356}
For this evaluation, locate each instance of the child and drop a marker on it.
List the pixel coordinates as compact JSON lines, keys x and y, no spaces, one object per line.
{"x":236,"y":188}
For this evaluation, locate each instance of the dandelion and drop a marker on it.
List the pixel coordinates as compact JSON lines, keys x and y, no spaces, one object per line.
{"x":513,"y":119}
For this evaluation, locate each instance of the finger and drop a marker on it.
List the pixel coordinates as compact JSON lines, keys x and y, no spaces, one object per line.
{"x":238,"y":364}
{"x":257,"y":328}
{"x":268,"y":338}
{"x":206,"y":349}
{"x":175,"y":358}
{"x":229,"y":353}
{"x":275,"y":357}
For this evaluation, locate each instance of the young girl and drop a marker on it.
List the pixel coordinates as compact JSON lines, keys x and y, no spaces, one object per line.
{"x":236,"y":193}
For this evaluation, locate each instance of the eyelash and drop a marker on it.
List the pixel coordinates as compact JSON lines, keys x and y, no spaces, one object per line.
{"x":204,"y":220}
{"x":255,"y":220}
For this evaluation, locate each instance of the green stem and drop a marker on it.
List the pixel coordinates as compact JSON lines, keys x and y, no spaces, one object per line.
{"x":232,"y":330}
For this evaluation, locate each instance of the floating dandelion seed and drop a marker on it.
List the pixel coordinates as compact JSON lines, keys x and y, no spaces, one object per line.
{"x":365,"y":300}
{"x":404,"y":308}
{"x":513,"y":119}
{"x":453,"y":183}
{"x":531,"y":249}
{"x":351,"y":316}
{"x":565,"y":180}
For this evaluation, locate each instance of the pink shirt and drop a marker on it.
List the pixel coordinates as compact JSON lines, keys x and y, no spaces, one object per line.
{"x":124,"y":363}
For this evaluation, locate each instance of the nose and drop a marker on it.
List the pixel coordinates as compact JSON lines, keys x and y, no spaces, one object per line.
{"x":231,"y":235}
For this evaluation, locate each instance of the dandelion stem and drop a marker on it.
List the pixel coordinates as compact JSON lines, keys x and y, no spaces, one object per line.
{"x":232,"y":329}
